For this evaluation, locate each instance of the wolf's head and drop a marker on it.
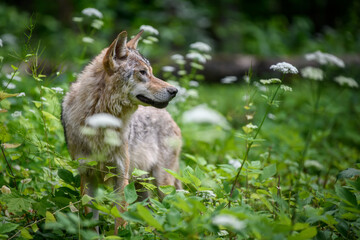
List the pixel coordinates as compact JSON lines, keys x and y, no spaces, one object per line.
{"x":130,"y":73}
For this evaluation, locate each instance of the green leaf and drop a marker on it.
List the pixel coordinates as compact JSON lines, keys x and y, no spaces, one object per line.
{"x":177,"y":176}
{"x":148,"y":218}
{"x":345,"y":195}
{"x":17,"y":203}
{"x":86,"y":199}
{"x":13,"y":67}
{"x":109,"y":175}
{"x":49,"y":116}
{"x":115,"y":212}
{"x":66,"y":175}
{"x":25,"y":234}
{"x":113,"y":238}
{"x":167,"y":189}
{"x":130,"y":193}
{"x":305,"y":234}
{"x":49,"y":217}
{"x":7,"y":227}
{"x":349,"y":173}
{"x":268,"y":171}
{"x":138,"y":173}
{"x":35,"y":228}
{"x":37,"y":104}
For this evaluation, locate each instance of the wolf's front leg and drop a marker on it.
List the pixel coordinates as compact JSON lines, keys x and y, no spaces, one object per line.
{"x":89,"y":185}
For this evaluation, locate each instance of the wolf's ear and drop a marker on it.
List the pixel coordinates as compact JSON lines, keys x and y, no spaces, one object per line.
{"x":116,"y":51}
{"x":134,"y":41}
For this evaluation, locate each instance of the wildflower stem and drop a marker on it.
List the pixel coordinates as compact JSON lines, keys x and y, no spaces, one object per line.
{"x":9,"y":166}
{"x":255,"y":136}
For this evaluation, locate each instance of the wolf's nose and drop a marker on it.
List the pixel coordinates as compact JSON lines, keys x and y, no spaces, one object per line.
{"x":172,"y":91}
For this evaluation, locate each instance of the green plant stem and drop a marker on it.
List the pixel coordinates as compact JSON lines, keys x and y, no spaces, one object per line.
{"x":9,"y":166}
{"x":306,"y":148}
{"x":251,"y":143}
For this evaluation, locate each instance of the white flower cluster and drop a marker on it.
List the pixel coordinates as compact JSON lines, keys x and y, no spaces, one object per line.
{"x":196,"y":56}
{"x":22,"y":94}
{"x":284,"y":67}
{"x":179,"y":59}
{"x":235,"y":163}
{"x":206,"y":194}
{"x":350,"y":82}
{"x":204,"y":114}
{"x":230,"y":221}
{"x":312,"y":73}
{"x":103,"y":120}
{"x":58,"y":90}
{"x":168,"y":68}
{"x":92,"y":12}
{"x":16,"y":114}
{"x":325,"y":58}
{"x":286,"y":88}
{"x":200,"y":46}
{"x":87,"y":40}
{"x":251,"y":126}
{"x":149,"y":29}
{"x":228,"y":79}
{"x":270,"y":81}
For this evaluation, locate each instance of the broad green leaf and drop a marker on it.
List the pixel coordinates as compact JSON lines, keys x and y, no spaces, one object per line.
{"x":49,"y":217}
{"x":346,"y":195}
{"x":167,"y":189}
{"x":7,"y":227}
{"x":100,"y":207}
{"x":37,"y":104}
{"x":13,"y":67}
{"x":130,"y":193}
{"x":148,"y":186}
{"x":86,"y":199}
{"x":115,"y":212}
{"x":109,"y":175}
{"x":16,"y":203}
{"x":349,"y":173}
{"x":35,"y":227}
{"x":305,"y":234}
{"x":138,"y":172}
{"x":25,"y":234}
{"x":177,"y":176}
{"x":148,"y":218}
{"x":49,"y":116}
{"x":66,"y":175}
{"x":268,"y":171}
{"x":113,"y":238}
{"x":92,"y":163}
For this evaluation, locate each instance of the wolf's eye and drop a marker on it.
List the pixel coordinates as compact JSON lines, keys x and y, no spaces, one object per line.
{"x":143,"y":72}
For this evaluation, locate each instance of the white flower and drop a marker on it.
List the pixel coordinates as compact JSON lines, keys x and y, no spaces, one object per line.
{"x":196,"y":56}
{"x":286,"y":88}
{"x":179,"y":59}
{"x":22,"y":94}
{"x":182,"y":191}
{"x":251,"y":126}
{"x":77,"y":19}
{"x":103,"y":120}
{"x":193,"y":83}
{"x":5,"y":190}
{"x":325,"y":58}
{"x":350,"y":82}
{"x":149,"y":29}
{"x":235,"y":163}
{"x":44,"y":99}
{"x":30,"y":110}
{"x":230,"y":221}
{"x":58,"y":90}
{"x":270,"y":81}
{"x":284,"y":67}
{"x":112,"y":137}
{"x":192,"y":93}
{"x":92,"y":12}
{"x":261,"y":88}
{"x":9,"y":86}
{"x":223,"y":233}
{"x":246,"y":78}
{"x":16,"y":114}
{"x":1,"y":42}
{"x":13,"y":77}
{"x":204,"y":114}
{"x":228,"y":79}
{"x":87,"y":40}
{"x":312,"y":73}
{"x":206,"y":194}
{"x":203,"y":47}
{"x":97,"y":24}
{"x":271,"y":116}
{"x":168,"y":68}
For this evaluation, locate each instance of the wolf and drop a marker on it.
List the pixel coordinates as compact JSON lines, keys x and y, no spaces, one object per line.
{"x":119,"y":82}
